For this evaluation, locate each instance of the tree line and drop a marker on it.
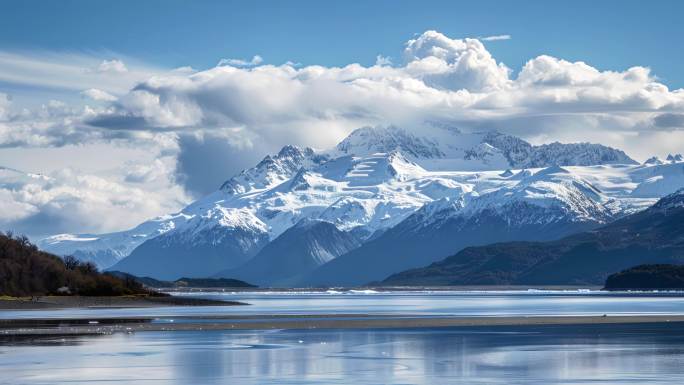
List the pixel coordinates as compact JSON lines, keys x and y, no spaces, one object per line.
{"x":27,"y":271}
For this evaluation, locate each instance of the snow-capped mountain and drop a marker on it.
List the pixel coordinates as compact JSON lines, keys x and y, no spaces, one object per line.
{"x":521,"y":154}
{"x":222,"y":238}
{"x":651,"y":236}
{"x":107,"y":249}
{"x":450,"y":149}
{"x":273,"y":170}
{"x":544,"y":205}
{"x":104,"y":250}
{"x":378,"y":178}
{"x":676,"y":158}
{"x":361,"y":194}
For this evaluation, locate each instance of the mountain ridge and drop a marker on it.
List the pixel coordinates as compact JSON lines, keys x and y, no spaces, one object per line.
{"x":652,"y":236}
{"x":362,"y":191}
{"x":549,"y":204}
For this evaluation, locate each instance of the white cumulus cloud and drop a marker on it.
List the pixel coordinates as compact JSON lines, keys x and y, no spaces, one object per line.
{"x":208,"y":124}
{"x":454,"y":81}
{"x":70,"y":201}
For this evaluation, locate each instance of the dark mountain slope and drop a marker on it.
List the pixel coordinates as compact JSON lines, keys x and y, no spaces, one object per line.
{"x":297,"y":251}
{"x":171,"y":256}
{"x":655,"y":235}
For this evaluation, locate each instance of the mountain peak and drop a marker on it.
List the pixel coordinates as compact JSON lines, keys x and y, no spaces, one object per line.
{"x":291,"y":151}
{"x":672,"y":201}
{"x":439,"y":148}
{"x":273,"y":169}
{"x":370,"y":140}
{"x":654,"y":160}
{"x":380,"y":176}
{"x":676,"y":158}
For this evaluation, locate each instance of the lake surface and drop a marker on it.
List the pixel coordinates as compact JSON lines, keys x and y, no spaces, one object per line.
{"x":425,"y":303}
{"x":605,"y":354}
{"x":552,"y":354}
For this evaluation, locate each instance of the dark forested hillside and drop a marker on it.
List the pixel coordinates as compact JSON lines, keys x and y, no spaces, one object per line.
{"x":653,"y":236}
{"x":27,"y":271}
{"x":184,"y":282}
{"x":647,"y":277}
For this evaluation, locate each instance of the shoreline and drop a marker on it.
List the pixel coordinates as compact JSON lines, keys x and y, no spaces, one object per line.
{"x":37,"y":327}
{"x":381,"y":289}
{"x":78,"y":302}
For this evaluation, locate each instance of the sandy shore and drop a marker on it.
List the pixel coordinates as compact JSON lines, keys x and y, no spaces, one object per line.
{"x":348,"y":321}
{"x":66,"y":302}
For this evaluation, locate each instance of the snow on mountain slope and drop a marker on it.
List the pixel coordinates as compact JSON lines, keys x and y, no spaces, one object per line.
{"x":546,"y":204}
{"x":445,"y":148}
{"x":533,"y":205}
{"x":370,"y":140}
{"x":521,"y":154}
{"x":373,"y":192}
{"x":106,"y":249}
{"x":273,"y":170}
{"x":636,"y":187}
{"x":554,"y":190}
{"x":218,"y":239}
{"x":658,"y":181}
{"x":652,"y":236}
{"x":369,"y":183}
{"x":439,"y":149}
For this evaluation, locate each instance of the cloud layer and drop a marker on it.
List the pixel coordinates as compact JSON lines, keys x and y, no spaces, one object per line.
{"x":455,"y":81}
{"x":209,"y":124}
{"x":71,"y":201}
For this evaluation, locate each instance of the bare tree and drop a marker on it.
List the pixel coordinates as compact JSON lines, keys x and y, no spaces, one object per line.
{"x":71,"y":262}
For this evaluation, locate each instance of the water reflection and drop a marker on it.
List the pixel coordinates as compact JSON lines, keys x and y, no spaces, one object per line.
{"x":615,"y":354}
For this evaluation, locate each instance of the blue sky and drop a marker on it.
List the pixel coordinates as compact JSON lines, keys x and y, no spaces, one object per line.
{"x":132,"y":109}
{"x":173,"y":33}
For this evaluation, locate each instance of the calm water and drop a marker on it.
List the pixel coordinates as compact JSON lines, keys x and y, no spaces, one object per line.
{"x":456,"y":303}
{"x":605,"y":354}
